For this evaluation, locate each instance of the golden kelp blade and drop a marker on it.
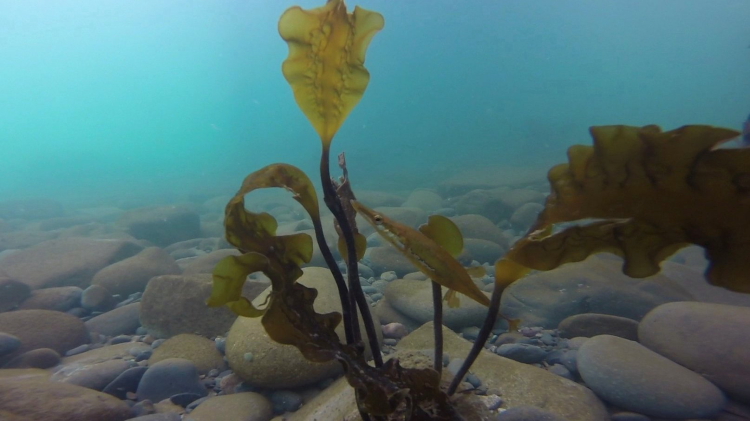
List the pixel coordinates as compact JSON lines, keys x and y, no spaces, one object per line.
{"x":656,"y":192}
{"x":325,"y":66}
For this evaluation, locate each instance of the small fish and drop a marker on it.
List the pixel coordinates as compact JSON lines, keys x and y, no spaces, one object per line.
{"x":426,"y":254}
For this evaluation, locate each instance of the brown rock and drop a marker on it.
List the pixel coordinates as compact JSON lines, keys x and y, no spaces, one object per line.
{"x":132,"y":274}
{"x":43,"y":329}
{"x":207,"y":262}
{"x":588,"y":325}
{"x":174,"y":304}
{"x":55,"y":298}
{"x":273,"y":365}
{"x":477,"y":226}
{"x":36,"y":358}
{"x":12,"y":293}
{"x":65,"y":262}
{"x":59,"y":402}
{"x":385,"y":258}
{"x":201,"y":351}
{"x":120,"y":321}
{"x":247,"y":406}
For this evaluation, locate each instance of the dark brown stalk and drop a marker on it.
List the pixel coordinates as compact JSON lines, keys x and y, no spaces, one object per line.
{"x":484,"y":333}
{"x":346,"y":308}
{"x":332,"y":201}
{"x":437,"y":304}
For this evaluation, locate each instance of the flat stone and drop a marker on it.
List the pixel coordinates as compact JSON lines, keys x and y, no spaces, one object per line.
{"x":50,"y":401}
{"x":593,"y":324}
{"x":386,"y":258}
{"x":43,"y":329}
{"x":246,"y":406}
{"x":414,"y":300}
{"x":710,"y":339}
{"x":162,"y":225}
{"x":65,"y":261}
{"x":55,"y":298}
{"x":120,"y":321}
{"x":629,"y":375}
{"x":207,"y":262}
{"x":478,"y":226}
{"x":170,"y":377}
{"x":174,"y":304}
{"x":527,"y":413}
{"x":518,"y":384}
{"x":92,"y":376}
{"x":201,"y":351}
{"x":277,"y":366}
{"x":596,"y":285}
{"x":132,"y":274}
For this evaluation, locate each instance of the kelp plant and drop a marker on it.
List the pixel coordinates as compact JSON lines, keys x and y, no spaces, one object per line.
{"x":325,"y":69}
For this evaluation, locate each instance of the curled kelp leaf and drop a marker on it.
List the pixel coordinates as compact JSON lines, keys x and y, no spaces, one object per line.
{"x":230,"y":275}
{"x":325,"y":67}
{"x":652,"y":192}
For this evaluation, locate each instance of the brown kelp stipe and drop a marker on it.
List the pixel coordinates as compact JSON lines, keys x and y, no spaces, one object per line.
{"x":357,"y":297}
{"x":437,"y":305}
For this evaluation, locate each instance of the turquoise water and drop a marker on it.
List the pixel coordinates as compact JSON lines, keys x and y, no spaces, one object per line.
{"x":108,"y":99}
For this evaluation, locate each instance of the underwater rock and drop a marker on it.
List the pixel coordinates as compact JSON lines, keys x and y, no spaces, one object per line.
{"x":595,"y":285}
{"x":377,"y":198}
{"x":631,"y":376}
{"x":92,"y":376}
{"x":493,"y":177}
{"x":97,"y":298}
{"x":413,"y":299}
{"x":36,"y":358}
{"x":120,"y":321}
{"x":514,"y":199}
{"x":132,"y":274}
{"x":426,"y":200}
{"x":592,"y":324}
{"x":43,"y":329}
{"x":710,"y":339}
{"x":55,"y":298}
{"x":49,"y":401}
{"x":527,"y":413}
{"x":526,"y":214}
{"x":8,"y":343}
{"x":18,"y":240}
{"x":174,"y":304}
{"x":477,"y":226}
{"x":481,"y":202}
{"x":65,"y":261}
{"x":30,"y":209}
{"x":126,"y":382}
{"x":162,"y":225}
{"x":483,"y":251}
{"x":12,"y":293}
{"x":386,"y":258}
{"x":170,"y":377}
{"x":201,"y":351}
{"x":246,"y":406}
{"x":279,"y":366}
{"x":518,"y":384}
{"x":207,"y":262}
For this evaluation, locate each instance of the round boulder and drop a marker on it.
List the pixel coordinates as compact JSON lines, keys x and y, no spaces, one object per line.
{"x":631,"y":376}
{"x":711,"y":339}
{"x":264,"y":363}
{"x":201,"y":351}
{"x":132,"y":274}
{"x":43,"y":329}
